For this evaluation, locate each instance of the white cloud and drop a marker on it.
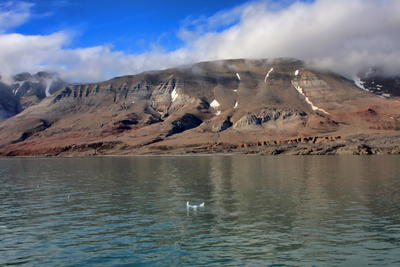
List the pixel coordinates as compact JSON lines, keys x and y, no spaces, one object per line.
{"x":13,"y":14}
{"x":342,"y":35}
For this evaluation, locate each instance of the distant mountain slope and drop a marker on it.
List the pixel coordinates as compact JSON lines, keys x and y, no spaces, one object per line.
{"x":9,"y":104}
{"x":231,"y":104}
{"x":376,"y":82}
{"x":27,"y":90}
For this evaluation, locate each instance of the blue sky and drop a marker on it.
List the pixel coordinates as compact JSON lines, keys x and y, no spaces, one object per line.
{"x":92,"y":40}
{"x":130,"y":26}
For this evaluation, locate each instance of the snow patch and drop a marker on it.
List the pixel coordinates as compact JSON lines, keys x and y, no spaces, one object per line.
{"x":266,"y":76}
{"x":236,"y":104}
{"x":235,"y":90}
{"x":214,"y":104}
{"x":386,"y":95}
{"x":359,"y":83}
{"x":296,"y":72}
{"x":237,"y":74}
{"x":19,"y":86}
{"x":300,"y":90}
{"x":174,"y":95}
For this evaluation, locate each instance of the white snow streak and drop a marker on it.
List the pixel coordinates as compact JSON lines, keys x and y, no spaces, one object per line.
{"x":266,"y":76}
{"x":16,"y":91}
{"x":237,"y":74}
{"x":236,"y":104}
{"x":174,"y":95}
{"x":300,"y":90}
{"x":296,"y":72}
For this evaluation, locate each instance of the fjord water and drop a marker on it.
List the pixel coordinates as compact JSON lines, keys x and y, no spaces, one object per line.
{"x":259,"y":211}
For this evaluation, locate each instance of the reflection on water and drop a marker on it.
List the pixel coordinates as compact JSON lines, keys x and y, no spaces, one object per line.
{"x":300,"y":210}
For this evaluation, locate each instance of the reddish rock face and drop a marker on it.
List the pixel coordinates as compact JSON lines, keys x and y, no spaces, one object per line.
{"x":202,"y":107}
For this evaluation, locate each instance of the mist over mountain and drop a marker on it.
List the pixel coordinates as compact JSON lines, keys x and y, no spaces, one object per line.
{"x":25,"y":90}
{"x":264,"y":106}
{"x":344,"y":36}
{"x":376,"y":81}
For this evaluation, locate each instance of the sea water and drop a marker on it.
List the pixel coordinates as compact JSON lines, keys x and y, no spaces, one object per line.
{"x":259,"y":211}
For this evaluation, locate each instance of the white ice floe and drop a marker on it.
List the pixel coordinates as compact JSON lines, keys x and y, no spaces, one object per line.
{"x":296,"y":72}
{"x":300,"y":90}
{"x":237,"y":74}
{"x":174,"y":95}
{"x":266,"y":76}
{"x":236,"y":104}
{"x":188,"y":206}
{"x":214,"y":104}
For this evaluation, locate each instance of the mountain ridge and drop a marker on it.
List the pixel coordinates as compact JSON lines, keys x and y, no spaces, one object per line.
{"x":205,"y":107}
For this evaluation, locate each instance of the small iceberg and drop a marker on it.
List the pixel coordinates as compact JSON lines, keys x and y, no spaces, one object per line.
{"x":188,"y":206}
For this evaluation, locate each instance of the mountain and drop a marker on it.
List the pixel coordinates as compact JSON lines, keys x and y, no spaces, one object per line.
{"x":230,"y":106}
{"x":9,"y":104}
{"x":26,"y":90}
{"x":375,"y":81}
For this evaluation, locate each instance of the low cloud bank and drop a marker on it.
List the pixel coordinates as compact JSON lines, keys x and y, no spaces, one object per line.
{"x":345,"y":36}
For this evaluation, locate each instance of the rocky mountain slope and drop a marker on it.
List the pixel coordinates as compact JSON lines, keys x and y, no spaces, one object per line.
{"x":26,"y":90}
{"x":232,"y":106}
{"x":375,"y":81}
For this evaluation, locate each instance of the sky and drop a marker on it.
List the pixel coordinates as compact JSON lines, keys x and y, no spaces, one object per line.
{"x":96,"y":40}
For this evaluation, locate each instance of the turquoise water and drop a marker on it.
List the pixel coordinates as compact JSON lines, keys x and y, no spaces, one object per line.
{"x":259,"y":211}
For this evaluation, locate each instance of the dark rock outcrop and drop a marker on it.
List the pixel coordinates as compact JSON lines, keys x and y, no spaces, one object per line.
{"x":186,"y":122}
